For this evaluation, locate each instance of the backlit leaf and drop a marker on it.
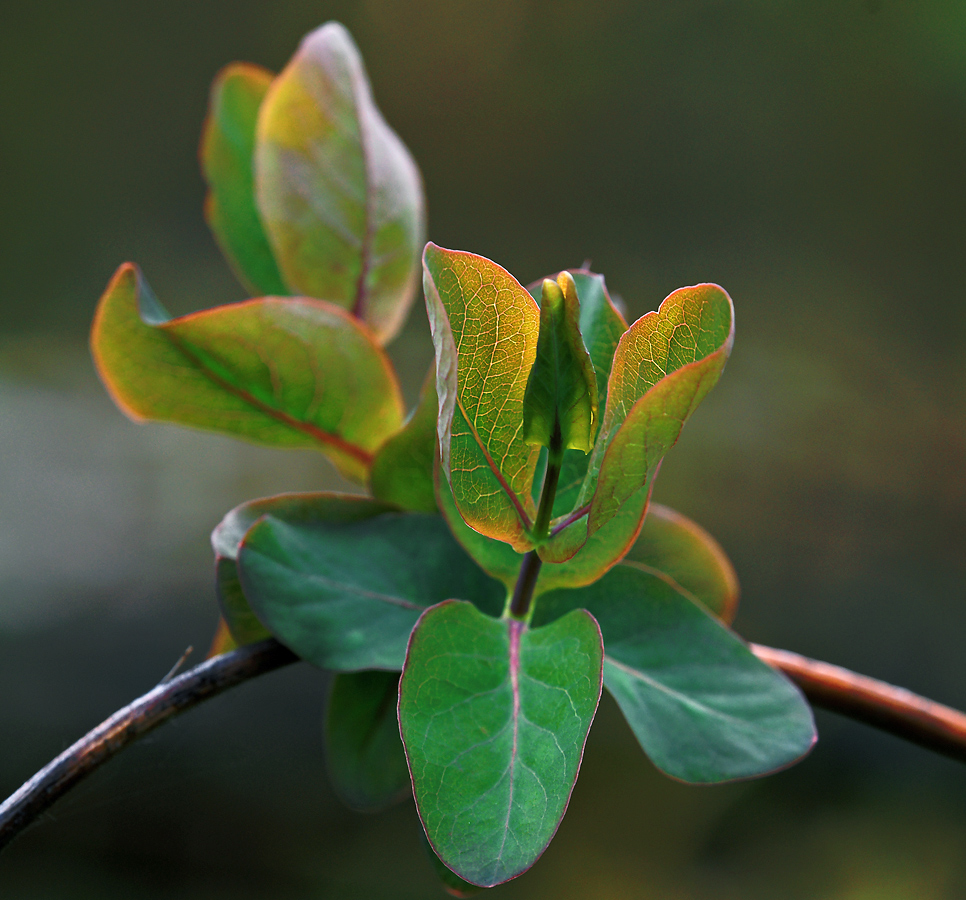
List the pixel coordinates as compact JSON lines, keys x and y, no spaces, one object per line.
{"x":702,"y":705}
{"x":339,"y":194}
{"x":485,"y":328}
{"x":665,"y":364}
{"x":366,"y":762}
{"x":227,"y":150}
{"x":494,"y":716}
{"x":345,"y":596}
{"x":287,"y":372}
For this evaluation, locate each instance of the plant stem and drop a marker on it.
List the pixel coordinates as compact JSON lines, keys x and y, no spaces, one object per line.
{"x":892,"y":709}
{"x":530,"y":567}
{"x":128,"y":724}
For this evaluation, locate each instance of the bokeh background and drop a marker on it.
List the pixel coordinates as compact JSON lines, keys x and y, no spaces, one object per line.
{"x":807,"y":156}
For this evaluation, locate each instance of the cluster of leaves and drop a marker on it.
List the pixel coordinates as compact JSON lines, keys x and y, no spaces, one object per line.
{"x":506,"y":560}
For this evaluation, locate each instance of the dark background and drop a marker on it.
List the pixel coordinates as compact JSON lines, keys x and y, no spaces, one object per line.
{"x":809,"y":157}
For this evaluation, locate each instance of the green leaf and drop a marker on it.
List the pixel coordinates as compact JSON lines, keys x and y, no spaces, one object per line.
{"x":227,"y":149}
{"x":287,"y":372}
{"x":560,"y":403}
{"x":702,"y":705}
{"x":340,"y":196}
{"x":345,"y":596}
{"x":296,"y":509}
{"x":402,"y":472}
{"x":452,"y":883}
{"x":485,"y":328}
{"x":601,"y":327}
{"x":366,"y":762}
{"x":673,"y":547}
{"x":494,"y":716}
{"x":665,"y":364}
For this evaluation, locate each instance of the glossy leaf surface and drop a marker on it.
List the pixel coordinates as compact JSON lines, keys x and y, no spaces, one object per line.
{"x":227,"y":151}
{"x":702,"y":705}
{"x":366,"y":762}
{"x":681,"y":550}
{"x":485,"y":328}
{"x":340,"y":196}
{"x":560,"y":402}
{"x":296,"y":509}
{"x":345,"y":596}
{"x":402,"y":472}
{"x":494,"y":716}
{"x":288,"y":372}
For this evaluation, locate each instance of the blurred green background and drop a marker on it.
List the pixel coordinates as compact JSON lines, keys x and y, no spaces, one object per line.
{"x":807,"y":156}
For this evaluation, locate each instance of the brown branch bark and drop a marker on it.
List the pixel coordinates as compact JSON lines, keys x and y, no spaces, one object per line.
{"x":882,"y":705}
{"x":128,"y":724}
{"x":890,"y":708}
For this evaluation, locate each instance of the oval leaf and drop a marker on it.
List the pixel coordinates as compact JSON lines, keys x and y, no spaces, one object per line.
{"x":296,"y":509}
{"x":704,"y":708}
{"x":340,"y":196}
{"x":494,"y":716}
{"x":345,"y":596}
{"x":485,"y":328}
{"x":287,"y":372}
{"x":366,"y":762}
{"x":227,"y":149}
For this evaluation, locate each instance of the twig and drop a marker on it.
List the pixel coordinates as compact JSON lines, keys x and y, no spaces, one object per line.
{"x":892,"y":709}
{"x":128,"y":724}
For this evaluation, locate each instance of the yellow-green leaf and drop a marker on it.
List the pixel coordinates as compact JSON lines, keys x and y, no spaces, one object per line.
{"x":340,"y":196}
{"x":282,"y":371}
{"x":485,"y":329}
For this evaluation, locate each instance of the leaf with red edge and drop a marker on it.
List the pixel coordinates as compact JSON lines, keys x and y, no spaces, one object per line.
{"x":665,"y":364}
{"x":339,"y":194}
{"x":227,"y":150}
{"x":494,"y":716}
{"x":282,"y":371}
{"x":485,"y":328}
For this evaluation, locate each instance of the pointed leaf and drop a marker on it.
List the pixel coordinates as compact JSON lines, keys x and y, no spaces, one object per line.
{"x":323,"y":506}
{"x":287,"y":372}
{"x":702,"y":705}
{"x":340,"y":196}
{"x":674,"y":547}
{"x":560,"y":403}
{"x":345,"y":596}
{"x":402,"y":472}
{"x":227,"y":150}
{"x":494,"y":716}
{"x":485,"y":329}
{"x":366,"y":762}
{"x":665,"y":364}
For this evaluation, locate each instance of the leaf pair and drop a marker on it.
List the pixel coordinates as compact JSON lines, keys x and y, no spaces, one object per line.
{"x":486,"y":329}
{"x":310,"y":194}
